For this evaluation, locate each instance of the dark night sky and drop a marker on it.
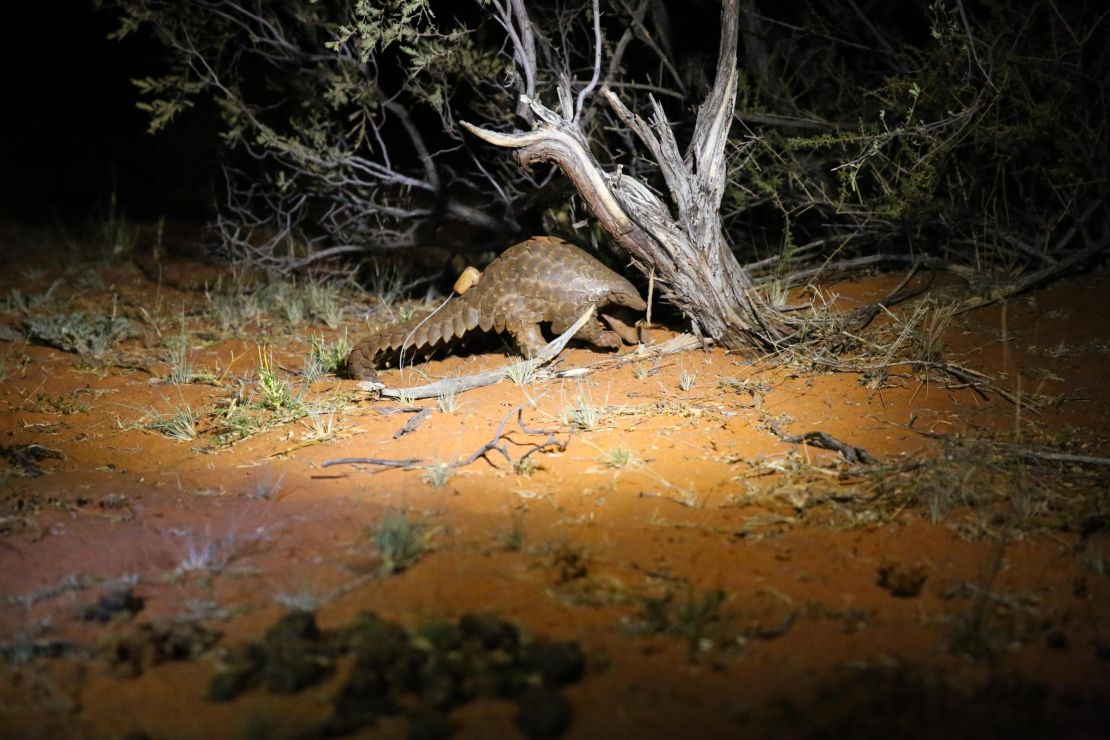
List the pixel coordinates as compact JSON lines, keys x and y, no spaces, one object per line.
{"x":69,"y":130}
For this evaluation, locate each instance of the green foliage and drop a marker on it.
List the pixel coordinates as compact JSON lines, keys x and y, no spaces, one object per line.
{"x":947,"y":135}
{"x":432,"y":58}
{"x":276,"y":393}
{"x":342,"y":85}
{"x":325,"y":357}
{"x":969,"y":131}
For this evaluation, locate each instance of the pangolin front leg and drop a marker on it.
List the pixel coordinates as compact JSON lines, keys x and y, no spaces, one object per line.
{"x":528,"y":337}
{"x":593,"y":331}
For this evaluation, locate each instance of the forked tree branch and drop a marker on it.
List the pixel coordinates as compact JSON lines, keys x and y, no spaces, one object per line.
{"x":686,"y":251}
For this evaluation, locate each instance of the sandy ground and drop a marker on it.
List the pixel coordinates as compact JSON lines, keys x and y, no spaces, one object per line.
{"x":719,"y":581}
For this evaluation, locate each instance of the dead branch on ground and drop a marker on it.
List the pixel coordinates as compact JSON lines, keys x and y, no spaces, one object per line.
{"x":487,"y":377}
{"x":495,"y":444}
{"x":826,"y":441}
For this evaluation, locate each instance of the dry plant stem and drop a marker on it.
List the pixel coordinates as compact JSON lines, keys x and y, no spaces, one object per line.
{"x":479,"y":380}
{"x":692,"y":263}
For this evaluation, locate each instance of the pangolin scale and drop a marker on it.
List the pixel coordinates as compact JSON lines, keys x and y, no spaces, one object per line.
{"x":537,"y":281}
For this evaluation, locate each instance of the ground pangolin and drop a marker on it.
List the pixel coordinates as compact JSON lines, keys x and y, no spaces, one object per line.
{"x":539,"y":280}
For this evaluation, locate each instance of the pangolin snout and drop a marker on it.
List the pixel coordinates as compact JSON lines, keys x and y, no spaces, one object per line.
{"x":629,"y":298}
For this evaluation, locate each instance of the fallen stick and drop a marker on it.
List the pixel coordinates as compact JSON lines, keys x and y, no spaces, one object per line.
{"x":494,"y":445}
{"x":412,"y":424}
{"x":410,"y":462}
{"x":479,"y":380}
{"x":826,"y":441}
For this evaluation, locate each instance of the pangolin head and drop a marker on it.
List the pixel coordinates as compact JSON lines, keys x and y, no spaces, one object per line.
{"x":626,"y":295}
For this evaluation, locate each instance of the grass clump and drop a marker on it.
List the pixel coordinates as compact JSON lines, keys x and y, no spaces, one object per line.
{"x":686,"y":379}
{"x":583,"y":414}
{"x":688,"y":618}
{"x":233,"y":306}
{"x":179,"y":424}
{"x":388,"y":282}
{"x":276,"y":393}
{"x":437,"y":474}
{"x":177,"y":357}
{"x":522,"y":372}
{"x":114,"y":230}
{"x":325,"y":357}
{"x":401,"y":542}
{"x":511,"y":539}
{"x":619,"y":457}
{"x":324,"y":299}
{"x":267,"y":486}
{"x":446,"y":401}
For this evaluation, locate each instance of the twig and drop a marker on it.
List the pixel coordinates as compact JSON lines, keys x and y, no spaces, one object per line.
{"x":672,"y":499}
{"x":494,"y":445}
{"x":409,"y":462}
{"x":495,"y":442}
{"x":1067,"y":457}
{"x":976,"y":381}
{"x":584,"y":92}
{"x":413,"y":424}
{"x":826,"y":441}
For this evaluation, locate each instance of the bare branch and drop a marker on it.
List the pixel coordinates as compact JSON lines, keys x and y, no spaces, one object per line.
{"x":597,"y":65}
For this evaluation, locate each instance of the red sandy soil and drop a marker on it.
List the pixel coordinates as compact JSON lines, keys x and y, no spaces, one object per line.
{"x":950,"y":587}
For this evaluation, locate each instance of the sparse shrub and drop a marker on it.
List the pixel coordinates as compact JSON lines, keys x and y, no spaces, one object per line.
{"x":525,"y":466}
{"x":76,"y":333}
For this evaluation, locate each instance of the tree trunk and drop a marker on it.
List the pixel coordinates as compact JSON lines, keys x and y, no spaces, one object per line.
{"x":687,"y":252}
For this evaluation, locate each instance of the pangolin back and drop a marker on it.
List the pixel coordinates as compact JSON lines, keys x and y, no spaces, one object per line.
{"x":539,"y":280}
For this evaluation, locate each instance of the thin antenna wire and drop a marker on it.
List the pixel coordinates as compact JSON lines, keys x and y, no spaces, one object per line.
{"x":401,"y":357}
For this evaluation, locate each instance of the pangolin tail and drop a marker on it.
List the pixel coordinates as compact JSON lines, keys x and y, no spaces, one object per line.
{"x":449,"y":322}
